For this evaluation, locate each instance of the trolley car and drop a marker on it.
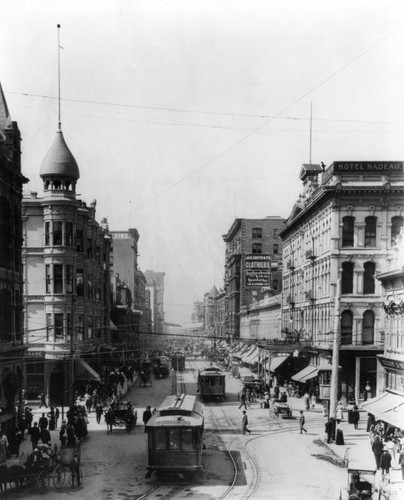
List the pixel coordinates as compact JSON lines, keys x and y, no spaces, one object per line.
{"x":212,"y":383}
{"x":175,"y":437}
{"x":178,"y":361}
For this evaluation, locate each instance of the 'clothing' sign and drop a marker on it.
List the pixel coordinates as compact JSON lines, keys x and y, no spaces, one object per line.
{"x":257,"y":269}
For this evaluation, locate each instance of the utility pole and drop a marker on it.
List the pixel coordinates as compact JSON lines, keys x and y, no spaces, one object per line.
{"x":335,"y":351}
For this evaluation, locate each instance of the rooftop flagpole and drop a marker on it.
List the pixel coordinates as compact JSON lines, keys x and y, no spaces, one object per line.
{"x":59,"y":47}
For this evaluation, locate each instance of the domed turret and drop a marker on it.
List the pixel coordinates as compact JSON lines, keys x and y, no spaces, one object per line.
{"x":59,"y":169}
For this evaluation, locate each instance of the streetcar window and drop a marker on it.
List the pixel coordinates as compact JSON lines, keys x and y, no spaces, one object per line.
{"x":174,"y":439}
{"x":186,"y":439}
{"x":160,"y":439}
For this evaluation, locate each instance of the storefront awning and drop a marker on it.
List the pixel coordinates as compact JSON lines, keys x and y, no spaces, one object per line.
{"x":83,"y":371}
{"x":277,"y":362}
{"x":388,"y":407}
{"x":252,"y":357}
{"x":307,"y":373}
{"x":247,"y":354}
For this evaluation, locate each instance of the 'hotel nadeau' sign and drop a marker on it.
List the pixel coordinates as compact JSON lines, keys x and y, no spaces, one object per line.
{"x":341,"y":167}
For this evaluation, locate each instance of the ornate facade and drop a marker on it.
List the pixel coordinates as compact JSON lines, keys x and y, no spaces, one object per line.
{"x":11,"y":338}
{"x":341,"y":232}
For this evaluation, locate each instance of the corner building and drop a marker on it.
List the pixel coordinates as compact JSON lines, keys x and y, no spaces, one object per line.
{"x":11,"y":338}
{"x":66,"y":257}
{"x":342,"y":229}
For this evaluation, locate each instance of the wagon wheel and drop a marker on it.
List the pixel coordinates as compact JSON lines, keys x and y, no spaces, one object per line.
{"x":73,"y":479}
{"x":59,"y":477}
{"x":42,"y":482}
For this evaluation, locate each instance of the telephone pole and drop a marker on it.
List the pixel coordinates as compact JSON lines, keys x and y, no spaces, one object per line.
{"x":335,"y":352}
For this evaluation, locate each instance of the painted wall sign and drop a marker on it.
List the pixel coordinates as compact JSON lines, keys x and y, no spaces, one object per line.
{"x":119,"y":236}
{"x":257,"y":269}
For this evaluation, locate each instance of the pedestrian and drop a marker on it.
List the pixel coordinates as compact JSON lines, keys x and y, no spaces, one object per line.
{"x":146,"y":416}
{"x":385,"y":462}
{"x":52,"y":419}
{"x":17,"y":441}
{"x":271,"y":409}
{"x":338,"y":413}
{"x":28,"y":418}
{"x":370,"y":422}
{"x":3,"y":468}
{"x":307,"y":400}
{"x":329,"y":427}
{"x":355,"y":417}
{"x":45,"y":436}
{"x":244,"y":423}
{"x":98,"y":412}
{"x":35,"y":435}
{"x":71,"y":436}
{"x":401,"y":462}
{"x":109,"y":419}
{"x":243,"y":401}
{"x":43,"y":422}
{"x":57,"y":414}
{"x":42,"y":400}
{"x":302,"y":421}
{"x":377,"y":448}
{"x":63,"y":434}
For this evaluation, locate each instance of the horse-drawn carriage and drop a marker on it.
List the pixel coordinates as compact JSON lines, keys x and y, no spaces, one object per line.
{"x":161,"y":367}
{"x":122,"y":415}
{"x":41,"y":466}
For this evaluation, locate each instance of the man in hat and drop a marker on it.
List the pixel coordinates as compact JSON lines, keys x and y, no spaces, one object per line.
{"x":302,"y":421}
{"x":244,"y":423}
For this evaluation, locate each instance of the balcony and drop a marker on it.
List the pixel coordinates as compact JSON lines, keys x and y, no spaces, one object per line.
{"x":290,"y":265}
{"x":309,"y":295}
{"x":290,"y":300}
{"x":310,"y":255}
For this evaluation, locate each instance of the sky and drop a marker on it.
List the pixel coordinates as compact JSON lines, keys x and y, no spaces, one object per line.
{"x":184,"y":115}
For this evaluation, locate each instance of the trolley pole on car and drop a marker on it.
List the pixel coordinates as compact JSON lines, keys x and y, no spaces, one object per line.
{"x":335,"y":352}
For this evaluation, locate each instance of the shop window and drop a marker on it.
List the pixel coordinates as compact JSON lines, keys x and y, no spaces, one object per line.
{"x":58,"y":278}
{"x":368,"y":336}
{"x":257,"y":232}
{"x":370,"y":231}
{"x":348,"y":231}
{"x":57,"y":232}
{"x":256,"y":248}
{"x":347,"y":277}
{"x":396,"y":225}
{"x":346,"y":327}
{"x":369,"y":278}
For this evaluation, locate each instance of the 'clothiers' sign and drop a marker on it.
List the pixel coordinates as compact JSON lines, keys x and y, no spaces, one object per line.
{"x":341,"y":167}
{"x":257,"y":269}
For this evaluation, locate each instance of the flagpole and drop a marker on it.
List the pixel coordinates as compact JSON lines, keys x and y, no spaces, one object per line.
{"x":59,"y":115}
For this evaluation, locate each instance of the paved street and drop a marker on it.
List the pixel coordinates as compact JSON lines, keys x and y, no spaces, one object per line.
{"x":283,"y":463}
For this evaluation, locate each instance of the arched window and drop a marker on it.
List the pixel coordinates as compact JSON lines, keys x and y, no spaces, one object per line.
{"x":348,"y":231}
{"x":346,"y":327}
{"x":368,"y":336}
{"x":347,"y":277}
{"x":369,"y":277}
{"x":396,"y":225}
{"x":370,"y":231}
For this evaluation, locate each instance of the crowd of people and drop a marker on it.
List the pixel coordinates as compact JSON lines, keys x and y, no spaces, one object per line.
{"x":387,"y":443}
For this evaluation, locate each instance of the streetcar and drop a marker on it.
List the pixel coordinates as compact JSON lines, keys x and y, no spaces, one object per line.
{"x":178,"y":361}
{"x":212,"y":383}
{"x":175,"y":437}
